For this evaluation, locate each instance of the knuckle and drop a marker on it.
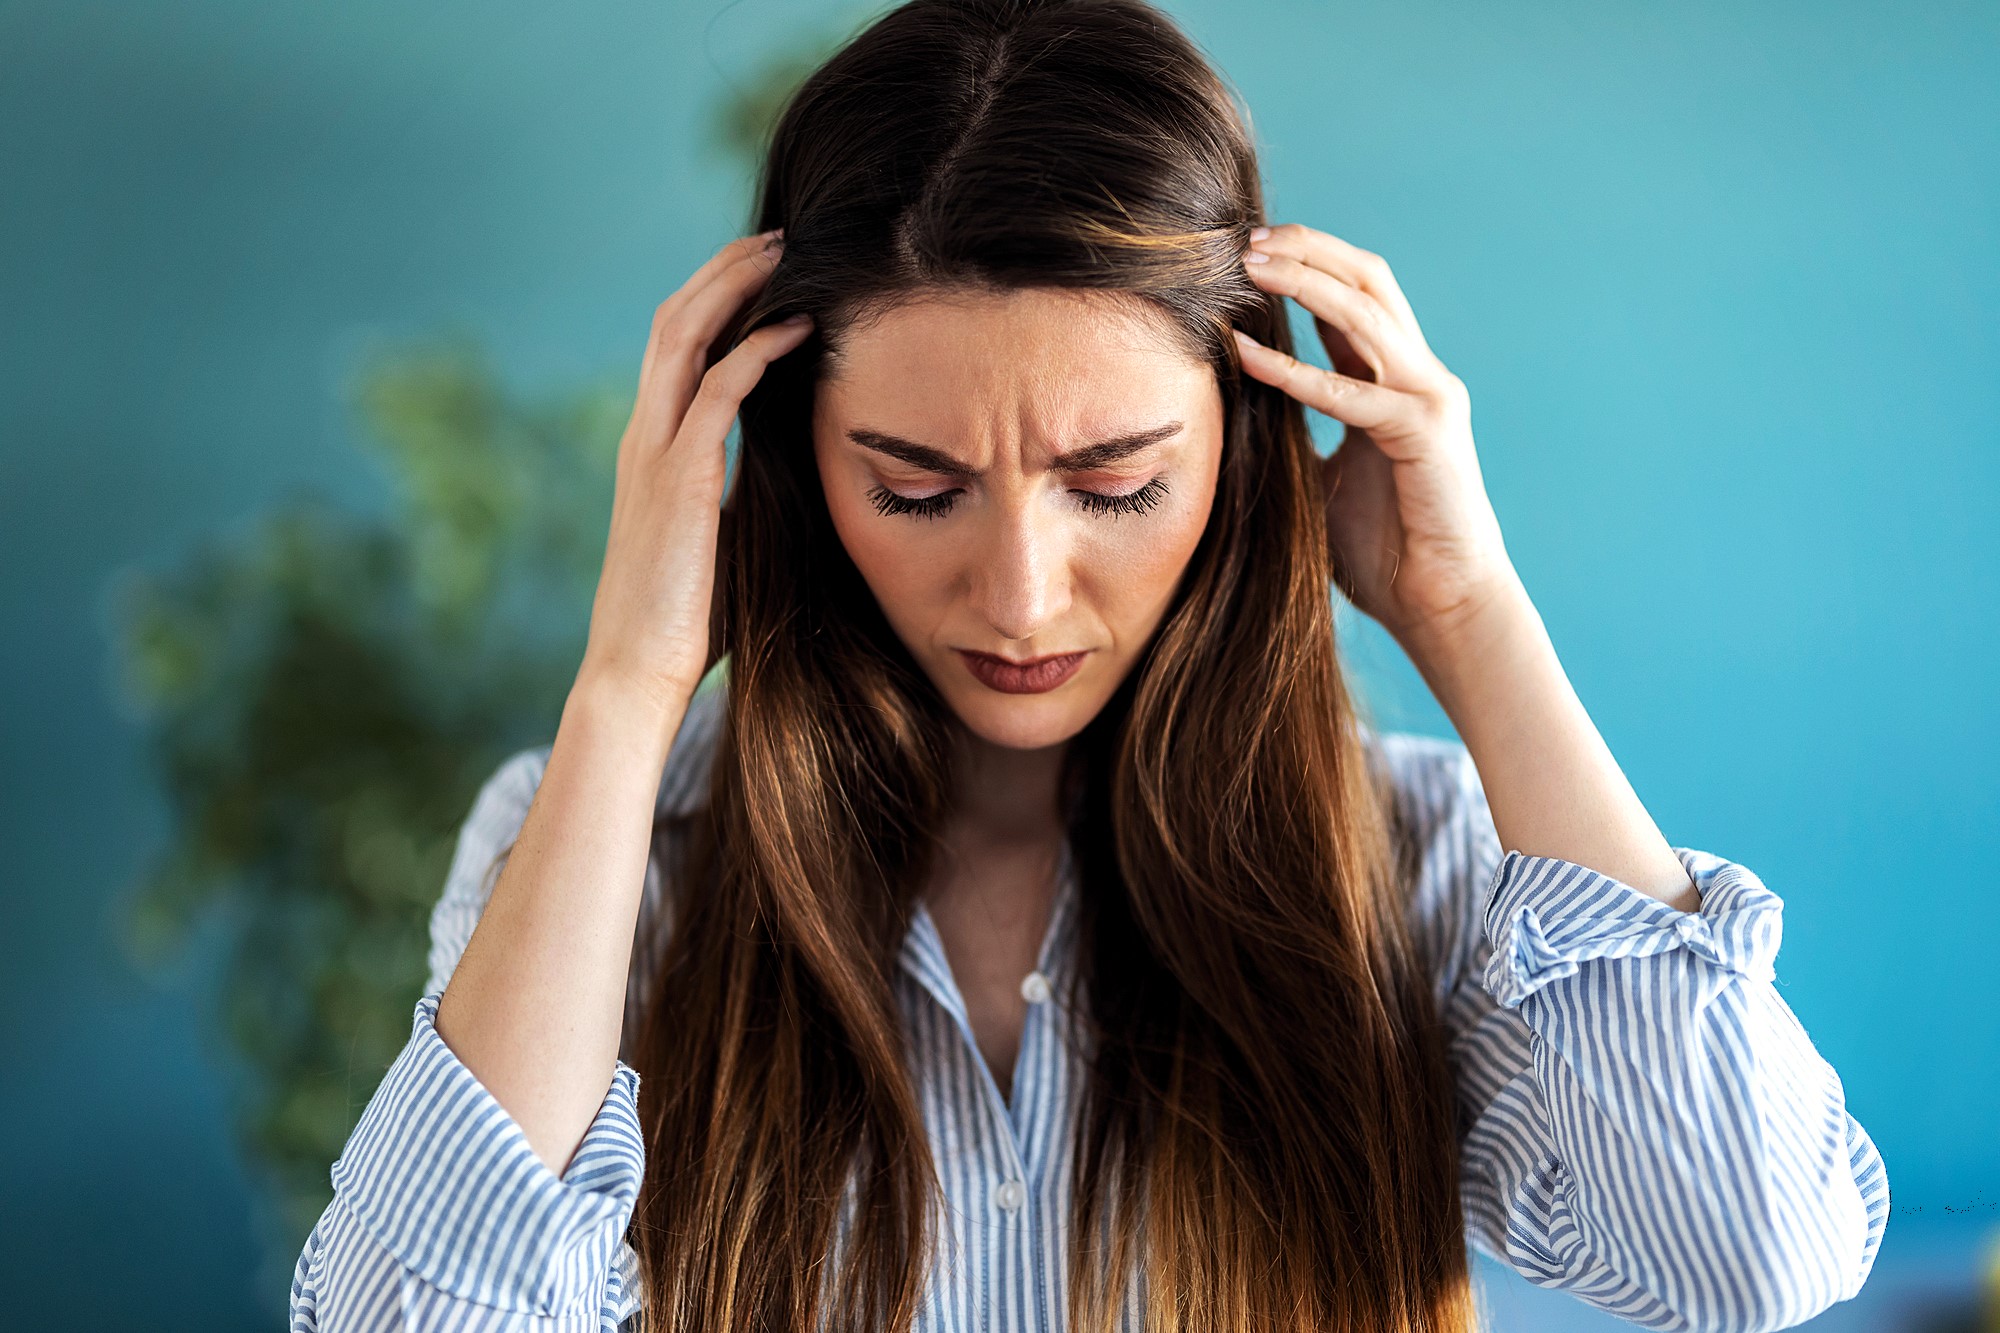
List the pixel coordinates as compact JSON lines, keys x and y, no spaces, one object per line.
{"x":1374,"y":320}
{"x":1437,"y":408}
{"x":714,"y":383}
{"x":681,"y":337}
{"x":1452,"y":393}
{"x":1340,"y":293}
{"x":726,"y":378}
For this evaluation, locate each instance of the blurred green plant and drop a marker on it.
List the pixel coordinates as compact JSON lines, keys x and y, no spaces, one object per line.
{"x":324,"y":693}
{"x":1990,"y":1286}
{"x":324,"y":696}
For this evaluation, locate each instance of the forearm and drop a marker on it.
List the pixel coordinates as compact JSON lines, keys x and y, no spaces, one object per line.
{"x":1551,"y":781}
{"x":536,"y":1005}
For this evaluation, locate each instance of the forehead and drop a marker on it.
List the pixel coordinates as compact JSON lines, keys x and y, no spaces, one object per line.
{"x":1058,"y":353}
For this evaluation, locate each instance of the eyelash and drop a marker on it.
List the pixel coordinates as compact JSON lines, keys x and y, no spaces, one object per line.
{"x":937,"y":506}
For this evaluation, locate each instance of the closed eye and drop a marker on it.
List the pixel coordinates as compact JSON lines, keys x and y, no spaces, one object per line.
{"x":929,"y":506}
{"x":1132,"y":502}
{"x":1146,"y":497}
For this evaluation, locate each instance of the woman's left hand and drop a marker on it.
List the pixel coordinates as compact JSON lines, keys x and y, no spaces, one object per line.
{"x":1413,"y":539}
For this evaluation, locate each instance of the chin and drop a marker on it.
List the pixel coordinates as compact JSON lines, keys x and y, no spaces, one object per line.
{"x":1023,"y":721}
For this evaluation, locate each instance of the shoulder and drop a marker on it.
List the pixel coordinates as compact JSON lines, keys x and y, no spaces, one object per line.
{"x":1442,"y":808}
{"x":500,"y":809}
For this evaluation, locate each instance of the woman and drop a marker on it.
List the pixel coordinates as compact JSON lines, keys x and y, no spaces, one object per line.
{"x":1028,"y":933}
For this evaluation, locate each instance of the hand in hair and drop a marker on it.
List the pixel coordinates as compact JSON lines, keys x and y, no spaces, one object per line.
{"x":1412,"y":536}
{"x":535,"y":1006}
{"x":649,"y":621}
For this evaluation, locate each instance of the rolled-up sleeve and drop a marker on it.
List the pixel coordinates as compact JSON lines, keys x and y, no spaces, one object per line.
{"x":444,"y":1216}
{"x":1645,"y":1123}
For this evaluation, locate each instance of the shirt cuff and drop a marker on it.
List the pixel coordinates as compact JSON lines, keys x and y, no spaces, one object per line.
{"x":1546,"y":916}
{"x":445,"y":1181}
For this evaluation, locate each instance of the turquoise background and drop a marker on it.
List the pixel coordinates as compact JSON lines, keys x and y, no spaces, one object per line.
{"x":1722,"y":280}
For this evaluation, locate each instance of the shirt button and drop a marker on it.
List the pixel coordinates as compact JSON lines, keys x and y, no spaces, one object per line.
{"x":1011,"y":1195}
{"x":1034,"y":988}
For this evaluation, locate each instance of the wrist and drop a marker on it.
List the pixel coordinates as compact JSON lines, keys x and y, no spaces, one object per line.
{"x":1484,"y":666}
{"x":1499,"y":609}
{"x":610,"y":704}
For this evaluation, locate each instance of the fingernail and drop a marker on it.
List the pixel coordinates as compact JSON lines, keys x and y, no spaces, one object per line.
{"x":1244,"y":340}
{"x":801,"y":318}
{"x":1256,"y":257}
{"x":1259,"y":233}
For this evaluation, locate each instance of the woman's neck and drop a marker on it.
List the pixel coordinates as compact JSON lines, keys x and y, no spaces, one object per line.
{"x":992,"y":891}
{"x":1001,"y":840}
{"x":1003,"y":796}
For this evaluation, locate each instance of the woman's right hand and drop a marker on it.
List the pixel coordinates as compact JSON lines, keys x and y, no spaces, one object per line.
{"x":649,"y":622}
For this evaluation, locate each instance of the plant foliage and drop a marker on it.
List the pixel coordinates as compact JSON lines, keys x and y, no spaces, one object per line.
{"x":323,"y":697}
{"x":323,"y":693}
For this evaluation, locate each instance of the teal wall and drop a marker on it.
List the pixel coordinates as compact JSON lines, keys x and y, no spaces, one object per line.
{"x":1721,"y":278}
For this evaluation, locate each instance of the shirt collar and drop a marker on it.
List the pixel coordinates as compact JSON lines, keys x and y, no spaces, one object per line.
{"x":923,"y":955}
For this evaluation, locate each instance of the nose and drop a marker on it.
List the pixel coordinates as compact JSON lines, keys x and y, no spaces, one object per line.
{"x":1020,"y":574}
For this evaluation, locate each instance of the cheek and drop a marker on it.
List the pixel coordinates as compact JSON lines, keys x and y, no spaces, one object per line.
{"x":1133,"y":563}
{"x":889,"y":555}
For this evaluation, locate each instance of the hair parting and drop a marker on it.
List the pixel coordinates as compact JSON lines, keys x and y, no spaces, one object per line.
{"x":1267,"y":1138}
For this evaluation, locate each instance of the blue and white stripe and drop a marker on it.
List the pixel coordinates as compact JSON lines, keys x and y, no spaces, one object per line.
{"x":1647,"y":1125}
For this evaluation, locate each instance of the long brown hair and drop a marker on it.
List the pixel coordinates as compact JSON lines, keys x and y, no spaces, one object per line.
{"x":1268,"y":1128}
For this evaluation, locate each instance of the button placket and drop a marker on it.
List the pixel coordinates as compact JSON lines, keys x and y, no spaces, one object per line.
{"x":1011,"y":1196}
{"x":1013,"y":1156}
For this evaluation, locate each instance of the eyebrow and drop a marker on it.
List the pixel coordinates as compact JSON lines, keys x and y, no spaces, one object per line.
{"x":1082,"y":459}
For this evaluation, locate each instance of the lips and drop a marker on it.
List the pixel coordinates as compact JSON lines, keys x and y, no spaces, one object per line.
{"x":1033,"y":677}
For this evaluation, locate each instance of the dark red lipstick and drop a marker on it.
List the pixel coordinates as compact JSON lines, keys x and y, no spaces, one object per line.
{"x":1035,"y":676}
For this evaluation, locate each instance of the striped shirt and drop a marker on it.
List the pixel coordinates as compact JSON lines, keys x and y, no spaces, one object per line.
{"x":1647,"y":1125}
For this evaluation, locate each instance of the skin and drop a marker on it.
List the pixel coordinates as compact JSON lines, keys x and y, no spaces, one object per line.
{"x":1417,"y":547}
{"x":1021,"y":565}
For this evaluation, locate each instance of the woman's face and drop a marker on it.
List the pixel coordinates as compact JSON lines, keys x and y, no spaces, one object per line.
{"x":1021,"y":475}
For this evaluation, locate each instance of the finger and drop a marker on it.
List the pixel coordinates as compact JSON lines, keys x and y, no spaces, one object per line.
{"x":690,"y":332}
{"x":728,"y":382}
{"x":1341,"y":352}
{"x":728,"y":253}
{"x":1350,"y":263}
{"x":1372,"y":331}
{"x":727,"y":257}
{"x":677,"y":351}
{"x":734,"y":271}
{"x":673,"y":358}
{"x":1375,"y":408}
